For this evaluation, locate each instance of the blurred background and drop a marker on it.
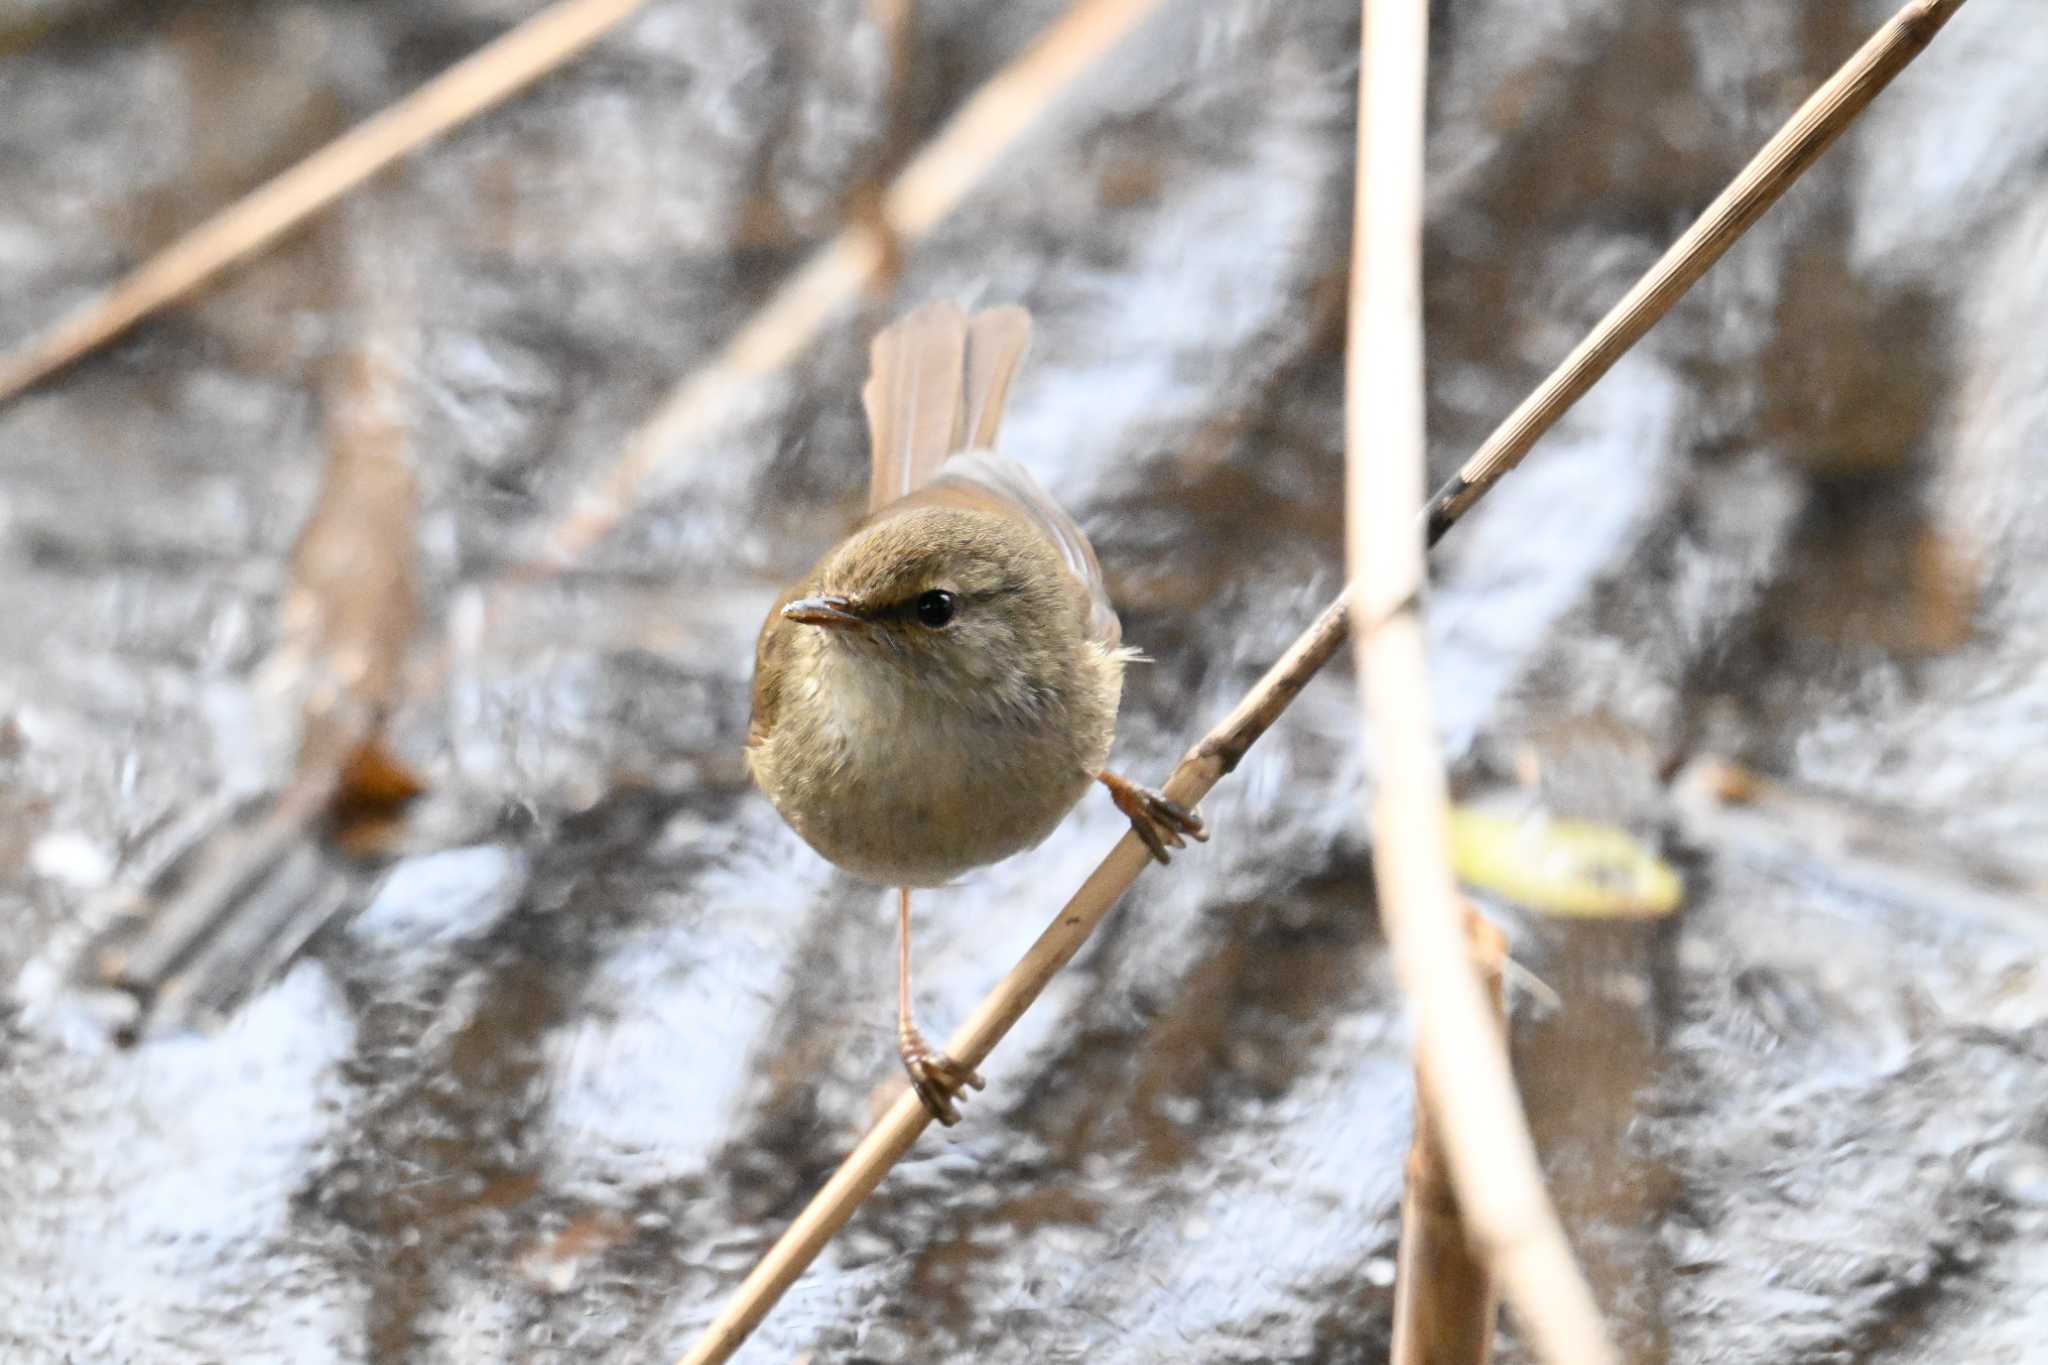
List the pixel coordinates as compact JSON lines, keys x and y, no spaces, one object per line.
{"x":1771,"y":600}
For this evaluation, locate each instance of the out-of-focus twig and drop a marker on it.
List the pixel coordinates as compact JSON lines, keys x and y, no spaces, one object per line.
{"x":1461,"y":1049}
{"x":1444,"y":1298}
{"x":1206,"y":764}
{"x":495,"y":71}
{"x":255,"y":887}
{"x":1796,"y":146}
{"x":897,"y":19}
{"x":937,"y":179}
{"x":350,"y":604}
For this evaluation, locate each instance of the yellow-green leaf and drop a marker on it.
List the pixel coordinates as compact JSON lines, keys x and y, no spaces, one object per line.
{"x":1570,"y":868}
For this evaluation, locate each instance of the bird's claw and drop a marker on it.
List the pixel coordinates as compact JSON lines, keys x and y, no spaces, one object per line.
{"x":1156,"y":818}
{"x":938,"y":1080}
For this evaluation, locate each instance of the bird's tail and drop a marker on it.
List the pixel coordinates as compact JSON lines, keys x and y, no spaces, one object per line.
{"x":936,"y":385}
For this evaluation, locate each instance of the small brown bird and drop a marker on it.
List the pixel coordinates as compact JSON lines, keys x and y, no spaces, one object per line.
{"x":942,"y":687}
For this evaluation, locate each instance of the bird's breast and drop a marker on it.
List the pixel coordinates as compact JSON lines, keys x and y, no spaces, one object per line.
{"x":905,"y":785}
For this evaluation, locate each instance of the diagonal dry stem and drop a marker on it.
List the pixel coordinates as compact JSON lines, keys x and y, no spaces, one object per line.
{"x":1794,"y":147}
{"x":1461,"y":1051}
{"x":498,"y":69}
{"x":1220,"y":751}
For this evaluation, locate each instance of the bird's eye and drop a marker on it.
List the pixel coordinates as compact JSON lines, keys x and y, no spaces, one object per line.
{"x":935,"y":608}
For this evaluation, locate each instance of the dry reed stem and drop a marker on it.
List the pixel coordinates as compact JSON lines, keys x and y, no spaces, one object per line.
{"x":1206,"y":764}
{"x":924,"y":192}
{"x":1444,"y":1299}
{"x":1794,"y":147}
{"x":490,"y":74}
{"x":1461,"y":1052}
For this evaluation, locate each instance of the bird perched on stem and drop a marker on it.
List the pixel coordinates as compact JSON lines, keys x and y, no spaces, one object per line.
{"x":942,"y":687}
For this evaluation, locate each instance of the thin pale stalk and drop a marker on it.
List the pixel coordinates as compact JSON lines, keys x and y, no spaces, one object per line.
{"x":485,"y":78}
{"x":1461,"y":1050}
{"x":1444,"y":1296}
{"x":1796,"y":146}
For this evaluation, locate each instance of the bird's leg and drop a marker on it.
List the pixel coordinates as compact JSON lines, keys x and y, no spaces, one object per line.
{"x":939,"y":1080}
{"x":1158,"y":820}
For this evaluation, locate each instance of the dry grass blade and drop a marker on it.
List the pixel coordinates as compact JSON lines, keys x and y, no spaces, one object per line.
{"x":486,"y":77}
{"x":1216,"y":755}
{"x":1794,"y":147}
{"x":1444,"y":1298}
{"x":936,"y":180}
{"x":1461,"y":1049}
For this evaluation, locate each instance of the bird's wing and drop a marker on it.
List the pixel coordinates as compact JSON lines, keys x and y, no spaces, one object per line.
{"x":989,"y":482}
{"x":771,"y":650}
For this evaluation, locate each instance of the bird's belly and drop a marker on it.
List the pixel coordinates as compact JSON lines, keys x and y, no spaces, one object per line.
{"x":918,"y":806}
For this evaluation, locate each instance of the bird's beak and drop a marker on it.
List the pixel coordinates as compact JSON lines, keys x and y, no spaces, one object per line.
{"x":831,"y":610}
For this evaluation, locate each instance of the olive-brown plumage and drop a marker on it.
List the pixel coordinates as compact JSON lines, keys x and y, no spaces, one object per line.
{"x":942,"y":687}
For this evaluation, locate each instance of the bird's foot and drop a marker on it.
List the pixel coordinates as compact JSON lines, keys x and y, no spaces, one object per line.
{"x":938,"y":1080}
{"x":1156,"y":818}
